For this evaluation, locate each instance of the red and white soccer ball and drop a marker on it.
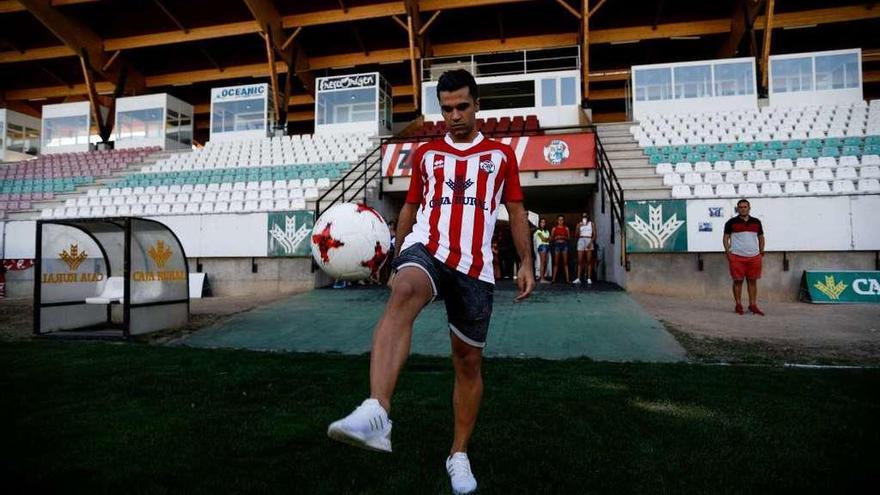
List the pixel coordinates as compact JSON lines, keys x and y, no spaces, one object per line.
{"x":350,"y":242}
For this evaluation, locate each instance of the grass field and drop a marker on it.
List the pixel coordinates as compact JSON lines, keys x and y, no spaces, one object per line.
{"x":128,"y":418}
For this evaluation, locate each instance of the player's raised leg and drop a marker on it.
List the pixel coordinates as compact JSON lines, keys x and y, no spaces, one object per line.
{"x":368,"y":426}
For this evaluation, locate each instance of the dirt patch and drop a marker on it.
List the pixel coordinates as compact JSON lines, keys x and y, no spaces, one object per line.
{"x":791,"y":332}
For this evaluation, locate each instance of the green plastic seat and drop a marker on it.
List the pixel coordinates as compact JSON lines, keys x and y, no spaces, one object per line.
{"x":770,"y":154}
{"x":836,"y":142}
{"x":694,"y":157}
{"x":810,"y":152}
{"x":872,"y":140}
{"x":750,"y":155}
{"x":852,"y":150}
{"x":775,"y":145}
{"x":720,"y":147}
{"x":739,"y":146}
{"x":655,"y":159}
{"x":852,"y":141}
{"x":794,"y":144}
{"x":830,"y":151}
{"x":700,"y":148}
{"x":791,"y":154}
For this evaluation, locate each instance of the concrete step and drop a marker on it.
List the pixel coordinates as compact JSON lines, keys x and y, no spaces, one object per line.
{"x":642,"y":182}
{"x":620,"y":146}
{"x":615,"y":126}
{"x":640,"y":194}
{"x":629,"y":162}
{"x":615,"y":134}
{"x":614,"y":155}
{"x":606,"y":141}
{"x":635,"y":172}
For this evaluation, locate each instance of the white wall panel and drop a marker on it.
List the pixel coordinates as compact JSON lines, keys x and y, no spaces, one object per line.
{"x":805,"y":224}
{"x":866,"y":222}
{"x":706,"y":219}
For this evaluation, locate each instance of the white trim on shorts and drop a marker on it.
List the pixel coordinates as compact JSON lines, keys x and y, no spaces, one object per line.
{"x":464,"y":338}
{"x":430,"y":278}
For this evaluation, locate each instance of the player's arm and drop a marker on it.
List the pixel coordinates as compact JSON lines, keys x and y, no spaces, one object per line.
{"x":726,"y":242}
{"x":761,"y":244}
{"x":519,"y":228}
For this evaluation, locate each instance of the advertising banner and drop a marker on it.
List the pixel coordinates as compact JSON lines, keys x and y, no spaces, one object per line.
{"x":655,"y":226}
{"x":289,"y":233}
{"x":576,"y":151}
{"x":841,"y":287}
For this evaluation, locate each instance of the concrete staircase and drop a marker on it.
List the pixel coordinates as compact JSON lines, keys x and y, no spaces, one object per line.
{"x":636,"y":175}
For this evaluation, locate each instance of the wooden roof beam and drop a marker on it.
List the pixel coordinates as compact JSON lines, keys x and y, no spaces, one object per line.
{"x":8,"y":6}
{"x":742,"y":21}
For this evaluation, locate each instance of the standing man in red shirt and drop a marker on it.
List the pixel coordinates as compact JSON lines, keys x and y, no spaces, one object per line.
{"x":445,"y":234}
{"x":744,"y":246}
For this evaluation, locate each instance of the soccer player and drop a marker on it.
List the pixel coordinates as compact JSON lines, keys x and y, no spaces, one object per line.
{"x":446,"y":226}
{"x":744,"y":246}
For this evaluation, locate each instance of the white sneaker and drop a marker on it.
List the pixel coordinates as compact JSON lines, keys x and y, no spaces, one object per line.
{"x":367,"y":427}
{"x":576,"y":281}
{"x":459,"y":468}
{"x":589,"y":281}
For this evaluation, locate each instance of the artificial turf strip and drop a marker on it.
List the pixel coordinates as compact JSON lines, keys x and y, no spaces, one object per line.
{"x":122,"y":418}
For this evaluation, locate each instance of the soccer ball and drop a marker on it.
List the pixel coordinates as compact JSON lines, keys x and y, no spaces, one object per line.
{"x":350,"y":242}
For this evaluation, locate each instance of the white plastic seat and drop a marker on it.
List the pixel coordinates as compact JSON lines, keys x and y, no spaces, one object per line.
{"x":756,"y":176}
{"x":680,"y":168}
{"x":748,"y":189}
{"x":869,"y":185}
{"x":239,"y":186}
{"x":252,"y":195}
{"x":174,"y":189}
{"x":681,"y":191}
{"x":672,"y":179}
{"x":702,"y":167}
{"x":818,"y":187}
{"x":723,"y":166}
{"x":763,"y":164}
{"x":692,"y":178}
{"x":192,"y":208}
{"x":843,"y":187}
{"x":771,"y":189}
{"x":800,"y":174}
{"x":823,"y":174}
{"x":725,"y":190}
{"x":266,"y":205}
{"x":281,"y":194}
{"x":221,"y":207}
{"x":182,"y":198}
{"x":870,"y":172}
{"x":47,"y":213}
{"x":162,"y":190}
{"x":103,"y":192}
{"x":795,"y":188}
{"x":118,"y":200}
{"x":115,"y":191}
{"x":151,"y":209}
{"x":847,"y":173}
{"x":105,"y":200}
{"x":713,"y":178}
{"x":783,"y":164}
{"x":178,"y":209}
{"x":186,"y":188}
{"x":870,"y":160}
{"x":848,"y":161}
{"x":265,"y":185}
{"x":252,"y":186}
{"x":169,"y":198}
{"x":308,"y":183}
{"x":311,"y":193}
{"x":778,"y":176}
{"x":298,"y":203}
{"x":96,"y":211}
{"x":251,"y":206}
{"x":267,"y":194}
{"x":734,"y":177}
{"x":742,"y":165}
{"x":124,"y":211}
{"x":294,"y":184}
{"x":805,"y":163}
{"x":664,"y":168}
{"x":826,"y":161}
{"x":92,"y":193}
{"x":704,"y":191}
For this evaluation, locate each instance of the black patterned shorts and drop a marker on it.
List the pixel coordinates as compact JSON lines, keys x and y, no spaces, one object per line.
{"x":468,"y":300}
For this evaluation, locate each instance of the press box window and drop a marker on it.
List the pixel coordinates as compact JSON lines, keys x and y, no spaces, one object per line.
{"x":513,"y":94}
{"x":146,"y":123}
{"x":349,"y":105}
{"x":243,"y":115}
{"x":66,"y":131}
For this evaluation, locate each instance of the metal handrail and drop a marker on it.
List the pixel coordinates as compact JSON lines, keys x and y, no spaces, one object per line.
{"x":341,"y":182}
{"x":611,"y":185}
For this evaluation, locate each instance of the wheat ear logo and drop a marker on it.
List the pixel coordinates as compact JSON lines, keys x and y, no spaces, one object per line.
{"x":160,"y":253}
{"x":73,"y":257}
{"x":831,"y":288}
{"x":655,"y":230}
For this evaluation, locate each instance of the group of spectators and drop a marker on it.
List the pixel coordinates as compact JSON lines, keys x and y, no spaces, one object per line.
{"x":556,"y":243}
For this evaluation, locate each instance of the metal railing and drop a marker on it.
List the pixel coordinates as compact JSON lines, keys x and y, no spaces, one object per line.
{"x":368,"y":168}
{"x":608,"y":184}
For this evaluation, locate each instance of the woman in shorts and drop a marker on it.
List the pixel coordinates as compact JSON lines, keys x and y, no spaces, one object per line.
{"x":586,"y":230}
{"x":560,"y":235}
{"x":541,"y":239}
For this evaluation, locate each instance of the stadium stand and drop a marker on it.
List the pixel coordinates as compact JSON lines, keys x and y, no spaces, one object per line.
{"x":272,"y":174}
{"x":516,"y":125}
{"x":41,"y":179}
{"x":817,"y":150}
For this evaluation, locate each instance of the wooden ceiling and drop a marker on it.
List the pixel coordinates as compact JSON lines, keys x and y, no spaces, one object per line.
{"x":185,"y":47}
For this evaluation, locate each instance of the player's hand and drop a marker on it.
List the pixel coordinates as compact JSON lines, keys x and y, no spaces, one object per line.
{"x":525,"y":280}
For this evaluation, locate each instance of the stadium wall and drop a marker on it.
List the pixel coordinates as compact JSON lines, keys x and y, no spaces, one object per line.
{"x":677,"y":274}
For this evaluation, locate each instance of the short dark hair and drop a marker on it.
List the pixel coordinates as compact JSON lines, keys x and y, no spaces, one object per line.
{"x":744,"y":200}
{"x":453,"y":80}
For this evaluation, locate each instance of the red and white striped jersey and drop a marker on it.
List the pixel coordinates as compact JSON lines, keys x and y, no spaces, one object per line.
{"x":458,"y":187}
